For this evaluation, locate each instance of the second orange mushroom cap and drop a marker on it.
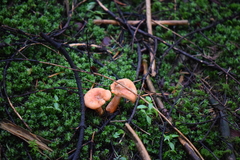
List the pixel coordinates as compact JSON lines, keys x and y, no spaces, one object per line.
{"x":122,"y":88}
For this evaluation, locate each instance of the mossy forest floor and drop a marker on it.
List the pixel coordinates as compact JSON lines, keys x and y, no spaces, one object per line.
{"x":186,"y":74}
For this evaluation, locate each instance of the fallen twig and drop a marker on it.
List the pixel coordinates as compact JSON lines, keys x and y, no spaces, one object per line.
{"x":152,"y":88}
{"x":16,"y":112}
{"x":164,"y":110}
{"x":179,"y":132}
{"x":189,"y":149}
{"x":80,"y":91}
{"x":91,"y":145}
{"x":6,"y":93}
{"x":25,"y":134}
{"x":135,"y":22}
{"x":149,"y":27}
{"x":141,"y":148}
{"x":101,"y":48}
{"x":224,"y":127}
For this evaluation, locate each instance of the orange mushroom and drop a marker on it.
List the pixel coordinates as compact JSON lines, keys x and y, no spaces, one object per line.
{"x":121,"y":91}
{"x":95,"y":98}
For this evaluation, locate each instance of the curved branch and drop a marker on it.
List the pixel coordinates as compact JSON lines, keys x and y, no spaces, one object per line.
{"x":80,"y":92}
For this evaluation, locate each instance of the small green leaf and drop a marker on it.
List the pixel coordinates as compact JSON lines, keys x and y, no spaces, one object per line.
{"x":143,"y":111}
{"x":56,"y":97}
{"x":90,"y":5}
{"x":149,"y":99}
{"x":166,"y":138}
{"x":56,"y":105}
{"x":150,"y":105}
{"x":116,"y":135}
{"x":150,"y":108}
{"x":141,"y":107}
{"x":149,"y":120}
{"x":7,"y":40}
{"x":29,"y":71}
{"x":171,"y":145}
{"x":174,"y":135}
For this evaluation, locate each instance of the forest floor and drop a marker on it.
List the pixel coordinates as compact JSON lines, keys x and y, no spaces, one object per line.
{"x":183,"y":58}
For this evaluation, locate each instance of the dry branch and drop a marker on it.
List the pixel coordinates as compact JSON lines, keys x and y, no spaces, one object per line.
{"x":149,"y":27}
{"x":224,"y":127}
{"x":189,"y":149}
{"x":141,"y":148}
{"x":132,"y":22}
{"x":152,"y":88}
{"x":179,"y":132}
{"x":16,"y":112}
{"x":25,"y":134}
{"x":168,"y":119}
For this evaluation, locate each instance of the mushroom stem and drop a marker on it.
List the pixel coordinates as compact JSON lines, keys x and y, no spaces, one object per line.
{"x":99,"y":111}
{"x":112,"y":106}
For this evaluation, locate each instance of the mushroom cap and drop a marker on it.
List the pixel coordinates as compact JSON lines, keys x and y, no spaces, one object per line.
{"x":96,"y":97}
{"x":121,"y":91}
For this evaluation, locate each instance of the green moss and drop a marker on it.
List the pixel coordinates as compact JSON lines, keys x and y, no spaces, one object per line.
{"x":55,"y":113}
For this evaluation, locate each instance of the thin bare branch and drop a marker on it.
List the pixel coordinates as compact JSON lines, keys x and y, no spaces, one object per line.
{"x":140,"y":146}
{"x":135,"y":22}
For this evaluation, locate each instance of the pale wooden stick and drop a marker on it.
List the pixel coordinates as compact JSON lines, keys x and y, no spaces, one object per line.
{"x":16,"y":112}
{"x":179,"y":132}
{"x":173,"y":31}
{"x":161,"y":106}
{"x":141,"y":148}
{"x":151,"y":86}
{"x":25,"y":134}
{"x":189,"y":149}
{"x":149,"y":16}
{"x":91,"y":151}
{"x":132,"y":22}
{"x":90,"y":45}
{"x":149,"y":26}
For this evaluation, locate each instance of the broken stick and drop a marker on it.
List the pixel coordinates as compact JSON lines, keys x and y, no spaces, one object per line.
{"x":141,"y":148}
{"x":155,"y":22}
{"x":25,"y":134}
